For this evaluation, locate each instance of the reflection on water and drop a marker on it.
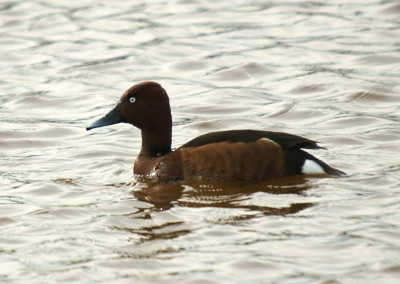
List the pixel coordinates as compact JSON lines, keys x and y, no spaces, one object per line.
{"x":233,"y":197}
{"x":70,"y":206}
{"x":222,"y":194}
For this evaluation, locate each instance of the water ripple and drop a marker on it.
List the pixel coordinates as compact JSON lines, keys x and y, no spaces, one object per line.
{"x":70,"y":206}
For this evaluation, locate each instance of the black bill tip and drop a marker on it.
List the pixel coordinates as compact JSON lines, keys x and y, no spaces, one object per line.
{"x":113,"y":117}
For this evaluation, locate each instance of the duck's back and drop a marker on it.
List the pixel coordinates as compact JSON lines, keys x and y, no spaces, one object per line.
{"x":285,"y":140}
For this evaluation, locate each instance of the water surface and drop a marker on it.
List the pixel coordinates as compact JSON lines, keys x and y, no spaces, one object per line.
{"x":71,"y":210}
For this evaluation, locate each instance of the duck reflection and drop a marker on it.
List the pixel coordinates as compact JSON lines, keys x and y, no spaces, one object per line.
{"x":234,"y":195}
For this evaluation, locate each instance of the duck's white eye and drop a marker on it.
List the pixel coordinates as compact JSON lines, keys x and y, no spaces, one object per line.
{"x":132,"y":99}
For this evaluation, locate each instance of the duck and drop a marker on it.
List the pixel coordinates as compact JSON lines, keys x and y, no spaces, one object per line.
{"x":230,"y":155}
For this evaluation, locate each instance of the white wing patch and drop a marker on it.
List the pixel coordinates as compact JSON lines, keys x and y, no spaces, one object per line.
{"x":310,"y":167}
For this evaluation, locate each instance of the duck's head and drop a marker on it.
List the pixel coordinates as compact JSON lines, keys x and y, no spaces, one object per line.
{"x":144,"y":105}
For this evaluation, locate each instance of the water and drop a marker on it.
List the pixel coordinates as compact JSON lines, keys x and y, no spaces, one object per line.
{"x":71,"y":209}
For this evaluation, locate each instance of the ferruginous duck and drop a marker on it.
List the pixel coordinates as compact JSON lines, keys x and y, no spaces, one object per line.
{"x":242,"y":155}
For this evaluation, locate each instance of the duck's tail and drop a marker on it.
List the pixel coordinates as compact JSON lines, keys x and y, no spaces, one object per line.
{"x":301,"y":162}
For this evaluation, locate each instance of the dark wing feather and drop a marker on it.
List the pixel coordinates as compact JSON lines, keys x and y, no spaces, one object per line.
{"x":285,"y":140}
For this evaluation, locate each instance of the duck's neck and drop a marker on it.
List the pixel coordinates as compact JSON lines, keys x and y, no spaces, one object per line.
{"x":156,"y":143}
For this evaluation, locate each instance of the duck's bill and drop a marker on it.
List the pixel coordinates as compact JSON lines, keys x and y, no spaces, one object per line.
{"x":113,"y":117}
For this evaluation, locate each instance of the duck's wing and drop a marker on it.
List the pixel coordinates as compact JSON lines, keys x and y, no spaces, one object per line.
{"x":296,"y":160}
{"x":285,"y":140}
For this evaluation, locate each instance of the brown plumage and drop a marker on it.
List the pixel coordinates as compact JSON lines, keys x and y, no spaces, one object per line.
{"x":250,"y":155}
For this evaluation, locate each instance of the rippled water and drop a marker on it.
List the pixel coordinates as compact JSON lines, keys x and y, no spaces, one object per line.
{"x":71,"y":209}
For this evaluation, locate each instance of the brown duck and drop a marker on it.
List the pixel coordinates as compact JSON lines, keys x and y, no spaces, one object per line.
{"x":250,"y":155}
